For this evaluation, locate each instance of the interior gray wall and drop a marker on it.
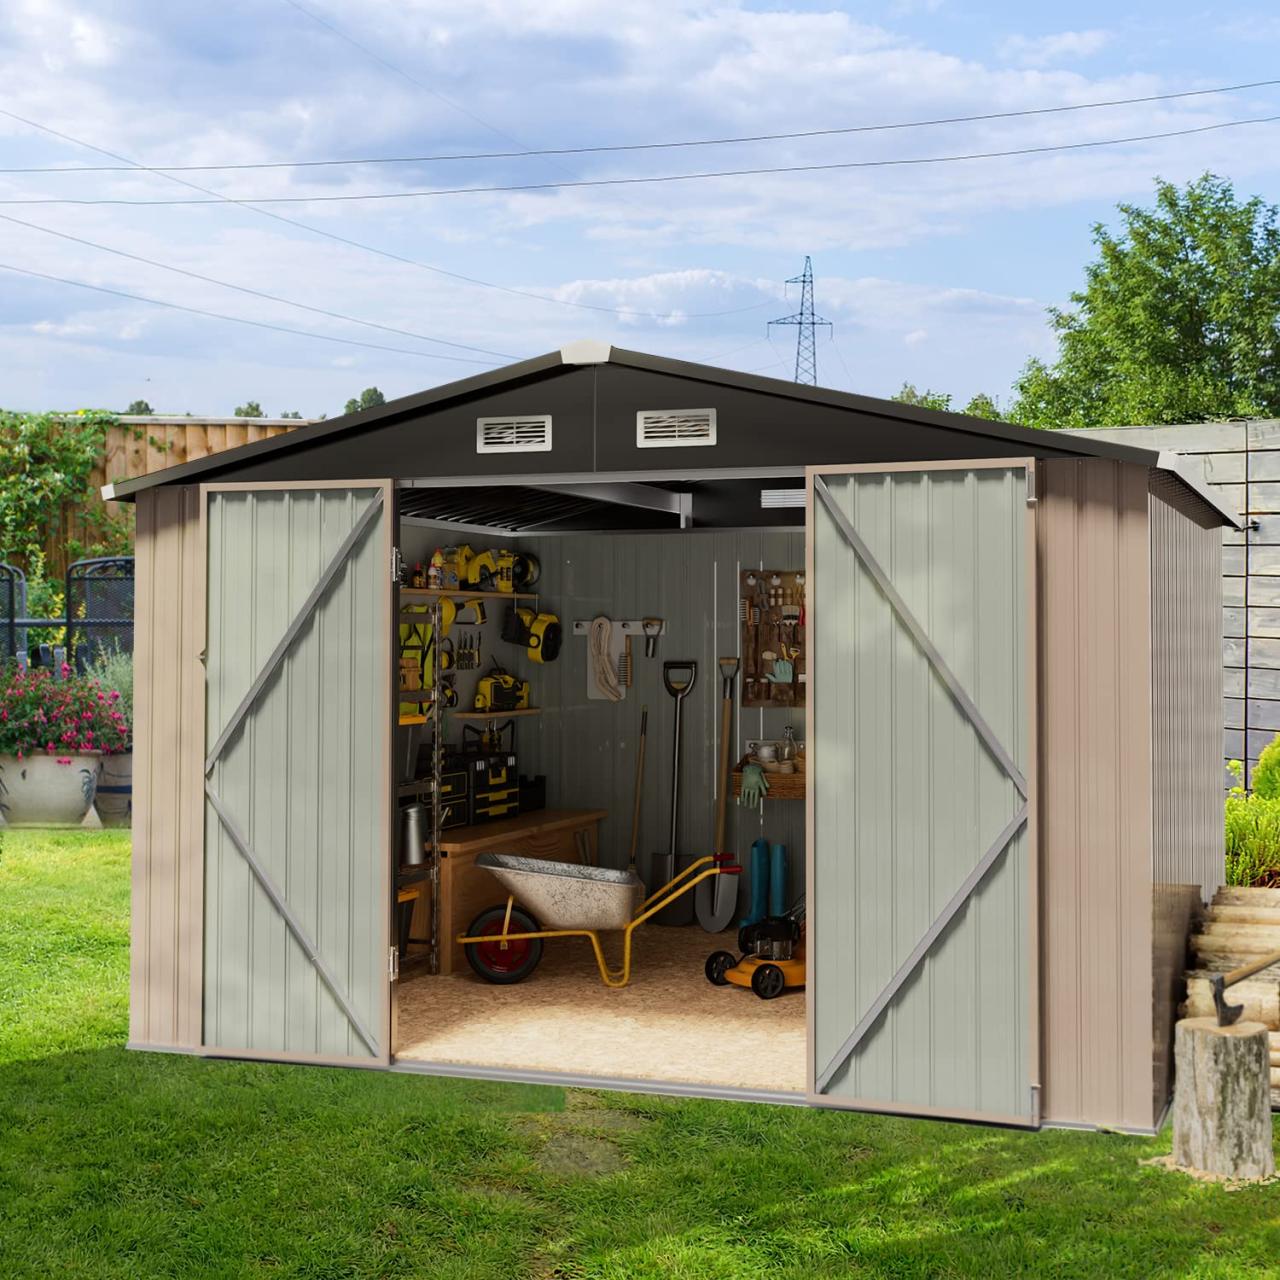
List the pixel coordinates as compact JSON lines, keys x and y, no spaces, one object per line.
{"x":587,"y":749}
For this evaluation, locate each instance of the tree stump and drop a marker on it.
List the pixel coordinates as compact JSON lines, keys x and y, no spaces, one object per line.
{"x":1222,"y":1099}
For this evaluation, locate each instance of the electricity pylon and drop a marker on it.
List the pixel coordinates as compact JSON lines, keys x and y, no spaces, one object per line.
{"x":806,"y":322}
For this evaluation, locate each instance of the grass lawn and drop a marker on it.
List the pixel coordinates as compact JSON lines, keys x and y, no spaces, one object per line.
{"x":118,"y":1164}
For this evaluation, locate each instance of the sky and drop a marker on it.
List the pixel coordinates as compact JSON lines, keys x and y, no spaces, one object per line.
{"x":936,"y":274}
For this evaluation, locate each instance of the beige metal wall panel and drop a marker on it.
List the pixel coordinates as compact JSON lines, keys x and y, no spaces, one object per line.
{"x":1095,"y":776}
{"x":306,"y":776}
{"x":906,"y":798}
{"x":1187,"y":713}
{"x":586,"y":748}
{"x":166,"y":952}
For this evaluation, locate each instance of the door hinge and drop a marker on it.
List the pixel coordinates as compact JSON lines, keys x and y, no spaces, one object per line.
{"x":397,"y":565}
{"x":1032,"y":498}
{"x":393,"y":963}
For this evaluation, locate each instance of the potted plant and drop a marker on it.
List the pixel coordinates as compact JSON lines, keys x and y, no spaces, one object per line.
{"x":113,"y":670}
{"x":53,"y":733}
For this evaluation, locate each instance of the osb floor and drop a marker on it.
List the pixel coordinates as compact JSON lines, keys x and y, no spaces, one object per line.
{"x":669,"y":1024}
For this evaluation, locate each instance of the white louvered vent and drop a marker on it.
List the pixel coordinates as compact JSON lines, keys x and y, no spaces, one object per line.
{"x":529,"y":433}
{"x":770,"y":498}
{"x":668,"y":428}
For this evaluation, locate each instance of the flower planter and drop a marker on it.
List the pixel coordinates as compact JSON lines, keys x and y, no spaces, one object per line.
{"x":114,"y":799}
{"x":48,"y":790}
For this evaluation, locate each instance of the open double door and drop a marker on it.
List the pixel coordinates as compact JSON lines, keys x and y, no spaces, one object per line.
{"x":921,"y":723}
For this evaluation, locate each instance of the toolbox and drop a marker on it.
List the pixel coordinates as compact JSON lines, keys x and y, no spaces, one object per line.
{"x":503,"y":803}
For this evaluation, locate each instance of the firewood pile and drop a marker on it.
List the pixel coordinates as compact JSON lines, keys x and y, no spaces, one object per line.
{"x":1240,"y":925}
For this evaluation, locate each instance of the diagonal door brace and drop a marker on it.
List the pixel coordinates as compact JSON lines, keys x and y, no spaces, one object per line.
{"x":300,"y":620}
{"x":920,"y":636}
{"x":295,"y":926}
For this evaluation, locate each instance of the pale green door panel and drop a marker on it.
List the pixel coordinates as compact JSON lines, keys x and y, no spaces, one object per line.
{"x":298,"y":730}
{"x":921,"y":952}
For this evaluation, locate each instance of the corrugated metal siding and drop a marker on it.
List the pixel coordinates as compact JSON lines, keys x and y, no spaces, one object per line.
{"x":305,"y":776}
{"x":165,"y":959}
{"x":1186,"y":604}
{"x":1095,"y":774}
{"x":587,"y":748}
{"x":907,"y":797}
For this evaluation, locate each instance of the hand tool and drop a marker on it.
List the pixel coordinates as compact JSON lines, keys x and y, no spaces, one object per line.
{"x":1230,"y":1013}
{"x":635,"y":811}
{"x":715,"y":901}
{"x":678,"y":679}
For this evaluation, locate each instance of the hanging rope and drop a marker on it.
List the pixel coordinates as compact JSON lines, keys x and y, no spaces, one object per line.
{"x":603,"y":671}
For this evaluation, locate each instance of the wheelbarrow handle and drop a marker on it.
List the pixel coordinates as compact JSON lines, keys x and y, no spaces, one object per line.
{"x":675,"y":687}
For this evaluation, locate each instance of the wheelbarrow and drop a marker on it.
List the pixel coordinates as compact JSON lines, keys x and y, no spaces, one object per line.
{"x":504,"y":943}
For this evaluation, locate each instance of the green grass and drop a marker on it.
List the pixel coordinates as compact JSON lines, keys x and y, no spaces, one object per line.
{"x":119,"y":1164}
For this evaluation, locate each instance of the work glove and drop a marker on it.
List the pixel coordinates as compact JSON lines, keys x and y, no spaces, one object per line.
{"x":755,"y":786}
{"x":783,"y":672}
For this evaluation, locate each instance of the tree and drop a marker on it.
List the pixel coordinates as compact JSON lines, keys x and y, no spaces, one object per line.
{"x":369,"y":398}
{"x":983,"y":406}
{"x":250,"y":410}
{"x":291,"y":413}
{"x":1178,"y":321}
{"x":922,"y":399}
{"x":140,"y":408}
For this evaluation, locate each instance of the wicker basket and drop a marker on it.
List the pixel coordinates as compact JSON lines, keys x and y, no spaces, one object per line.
{"x":782,"y":786}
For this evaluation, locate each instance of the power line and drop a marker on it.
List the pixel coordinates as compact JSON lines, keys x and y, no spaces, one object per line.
{"x":615,"y":148}
{"x":256,"y":293}
{"x":257,"y":324}
{"x":368,"y":248}
{"x":892,"y":162}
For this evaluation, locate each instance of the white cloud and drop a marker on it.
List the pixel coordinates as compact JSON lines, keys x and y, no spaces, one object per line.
{"x":1063,"y":46}
{"x":915,"y":337}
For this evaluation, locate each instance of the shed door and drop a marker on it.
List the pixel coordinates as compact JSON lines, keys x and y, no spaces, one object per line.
{"x":922,"y":894}
{"x":298,"y":708}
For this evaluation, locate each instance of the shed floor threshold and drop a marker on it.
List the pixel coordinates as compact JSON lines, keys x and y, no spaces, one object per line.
{"x":670,"y":1026}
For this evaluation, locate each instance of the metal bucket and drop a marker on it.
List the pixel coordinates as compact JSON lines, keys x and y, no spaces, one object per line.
{"x":565,"y":895}
{"x":413,"y":835}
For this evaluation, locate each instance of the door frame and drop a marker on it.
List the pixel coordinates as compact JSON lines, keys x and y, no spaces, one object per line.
{"x":1032,"y":697}
{"x":390,"y":540}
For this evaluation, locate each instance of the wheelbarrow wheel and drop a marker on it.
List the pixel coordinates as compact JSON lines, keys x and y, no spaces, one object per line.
{"x":768,"y":981}
{"x":718,"y":962}
{"x":503,"y":965}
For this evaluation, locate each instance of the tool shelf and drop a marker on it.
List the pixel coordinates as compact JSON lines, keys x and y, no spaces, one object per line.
{"x":782,"y":786}
{"x":427,"y":594}
{"x":494,"y":715}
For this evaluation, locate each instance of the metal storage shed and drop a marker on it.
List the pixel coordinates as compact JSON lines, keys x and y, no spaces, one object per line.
{"x":1013,"y":714}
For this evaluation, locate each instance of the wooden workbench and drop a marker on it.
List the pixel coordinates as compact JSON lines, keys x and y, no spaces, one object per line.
{"x":559,"y":835}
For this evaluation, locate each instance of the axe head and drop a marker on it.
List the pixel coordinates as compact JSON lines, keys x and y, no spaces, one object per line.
{"x":1227,"y":1013}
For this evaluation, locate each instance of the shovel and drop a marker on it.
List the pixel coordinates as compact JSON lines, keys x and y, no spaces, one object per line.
{"x":716,"y":899}
{"x":679,"y":679}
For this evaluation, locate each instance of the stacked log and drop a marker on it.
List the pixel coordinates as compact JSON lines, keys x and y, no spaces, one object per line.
{"x":1241,"y":925}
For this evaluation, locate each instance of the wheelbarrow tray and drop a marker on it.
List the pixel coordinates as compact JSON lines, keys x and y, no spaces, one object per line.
{"x":565,"y":895}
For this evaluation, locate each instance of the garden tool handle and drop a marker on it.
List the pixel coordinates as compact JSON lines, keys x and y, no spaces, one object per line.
{"x":676,"y":689}
{"x":1248,"y":970}
{"x":1230,"y":1013}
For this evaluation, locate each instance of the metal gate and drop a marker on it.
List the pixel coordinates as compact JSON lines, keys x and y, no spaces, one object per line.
{"x":922,"y":876}
{"x":297,"y":792}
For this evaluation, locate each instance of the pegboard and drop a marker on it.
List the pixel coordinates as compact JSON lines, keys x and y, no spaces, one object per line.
{"x":772,"y":622}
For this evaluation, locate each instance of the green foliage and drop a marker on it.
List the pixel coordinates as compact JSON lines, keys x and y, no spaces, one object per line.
{"x":1266,"y":773}
{"x":58,"y":716}
{"x":369,"y":398}
{"x":1252,"y":832}
{"x":112,"y":668}
{"x":1179,"y":319}
{"x":922,"y":399}
{"x":291,"y":413}
{"x":46,"y":598}
{"x":46,"y":460}
{"x":983,"y":406}
{"x":252,"y":409}
{"x":139,"y":407}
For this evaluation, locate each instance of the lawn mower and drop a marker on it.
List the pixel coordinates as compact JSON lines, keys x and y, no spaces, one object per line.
{"x":773,"y":956}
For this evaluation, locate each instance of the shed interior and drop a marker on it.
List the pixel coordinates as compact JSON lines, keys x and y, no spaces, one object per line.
{"x":557,"y":780}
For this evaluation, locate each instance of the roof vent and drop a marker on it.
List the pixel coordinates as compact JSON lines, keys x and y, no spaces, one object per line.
{"x":528,"y":433}
{"x":669,"y":428}
{"x":770,"y":498}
